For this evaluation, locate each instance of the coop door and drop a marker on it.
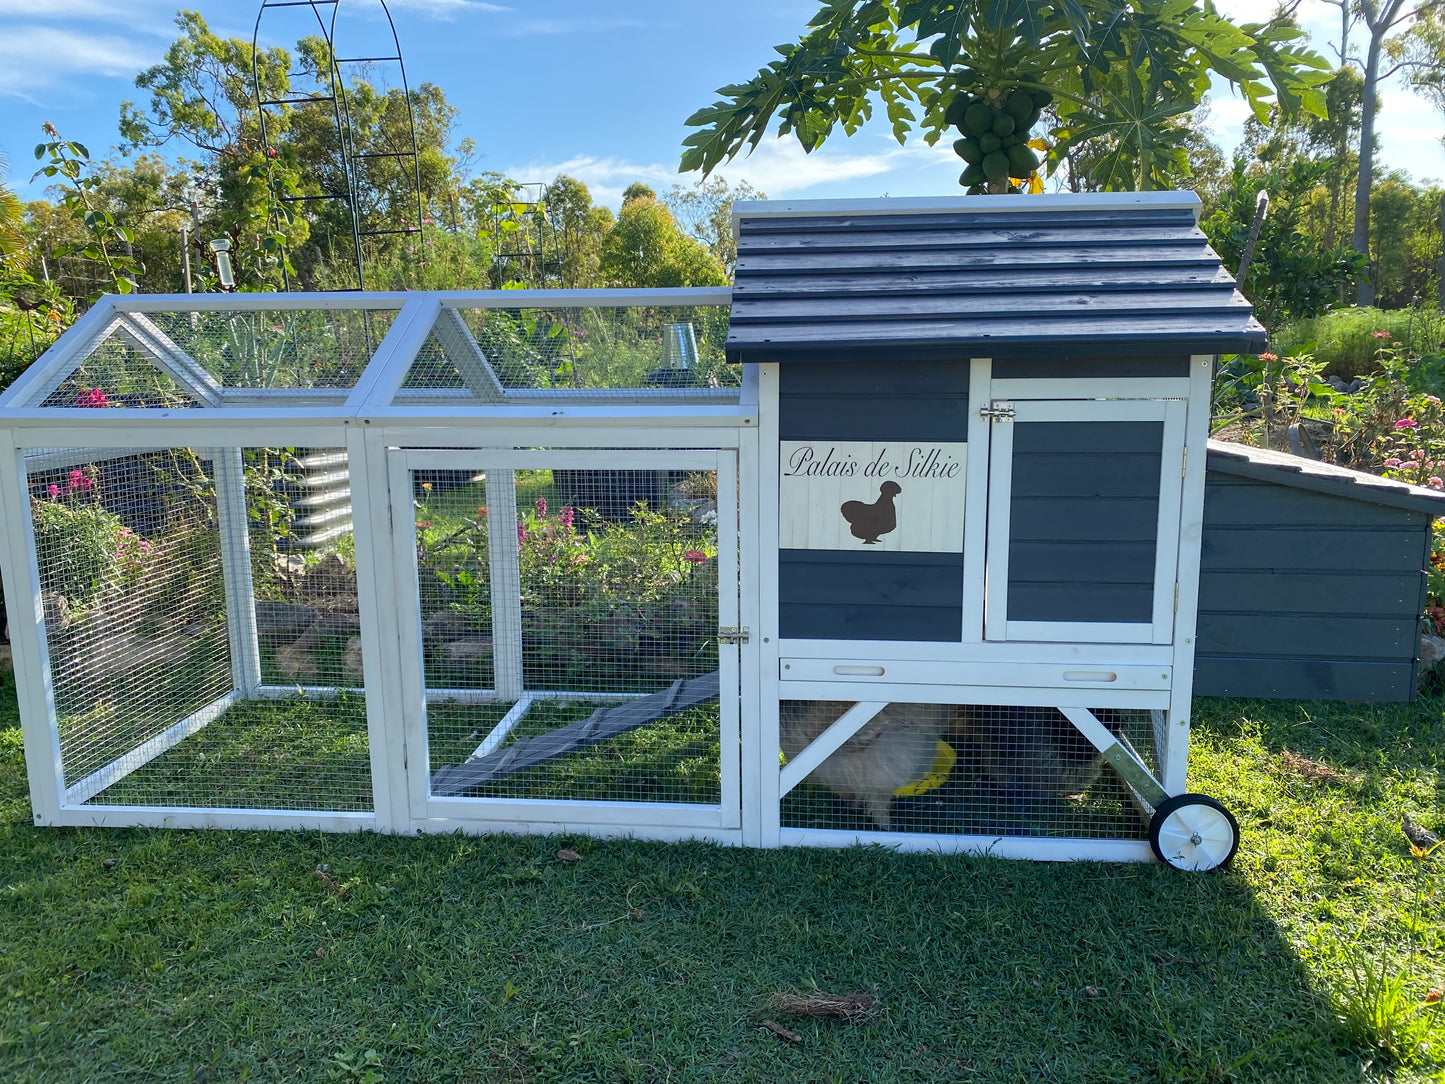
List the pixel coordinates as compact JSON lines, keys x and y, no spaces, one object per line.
{"x":567,"y":654}
{"x":1083,"y":520}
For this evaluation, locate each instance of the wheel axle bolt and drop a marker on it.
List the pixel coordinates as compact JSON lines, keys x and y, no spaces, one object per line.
{"x":1196,"y":839}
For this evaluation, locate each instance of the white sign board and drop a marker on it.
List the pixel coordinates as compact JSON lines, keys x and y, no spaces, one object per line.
{"x":905,"y":496}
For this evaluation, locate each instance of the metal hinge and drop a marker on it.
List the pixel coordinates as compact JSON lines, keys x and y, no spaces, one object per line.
{"x":1000,"y":412}
{"x":1176,"y":598}
{"x":733,"y":635}
{"x":403,"y":756}
{"x":1184,"y":463}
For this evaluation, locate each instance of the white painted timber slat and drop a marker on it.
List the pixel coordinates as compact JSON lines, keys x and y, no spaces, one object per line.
{"x":462,"y":351}
{"x":827,"y":743}
{"x":498,"y":733}
{"x":726,"y":571}
{"x":48,"y":372}
{"x":84,"y":790}
{"x":1003,"y":675}
{"x":234,"y":525}
{"x":180,"y":366}
{"x":505,"y":569}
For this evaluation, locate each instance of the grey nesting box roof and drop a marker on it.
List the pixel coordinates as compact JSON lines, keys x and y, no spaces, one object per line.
{"x":986,"y":276}
{"x":1292,"y":470}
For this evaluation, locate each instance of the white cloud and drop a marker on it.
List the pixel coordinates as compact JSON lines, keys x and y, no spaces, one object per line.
{"x":39,"y":56}
{"x":446,"y":9}
{"x":530,"y":27}
{"x":778,"y":167}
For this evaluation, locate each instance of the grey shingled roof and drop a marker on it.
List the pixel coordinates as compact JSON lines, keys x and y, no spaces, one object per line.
{"x":1293,"y":470}
{"x":987,"y":276}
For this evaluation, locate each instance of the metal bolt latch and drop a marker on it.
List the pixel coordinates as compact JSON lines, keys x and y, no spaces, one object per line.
{"x":733,"y":635}
{"x":997,"y":412}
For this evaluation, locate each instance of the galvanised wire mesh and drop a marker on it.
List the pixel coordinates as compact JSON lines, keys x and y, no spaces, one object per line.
{"x":137,"y":598}
{"x":585,"y":350}
{"x":134,"y":604}
{"x":295,"y":351}
{"x":965,"y":769}
{"x":117,"y":372}
{"x":611,"y":593}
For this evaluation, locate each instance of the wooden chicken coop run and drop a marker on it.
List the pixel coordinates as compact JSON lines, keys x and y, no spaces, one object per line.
{"x":904,"y":550}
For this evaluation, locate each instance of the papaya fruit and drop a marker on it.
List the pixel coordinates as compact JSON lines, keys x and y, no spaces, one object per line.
{"x":1004,"y":124}
{"x":968,"y":150}
{"x":1032,"y":119}
{"x":974,"y":190}
{"x":1021,"y":160}
{"x":977,"y":119}
{"x":995,"y":165}
{"x":957,"y":108}
{"x":1019,"y":105}
{"x":1041,"y":97}
{"x":972,"y":175}
{"x":989,"y":142}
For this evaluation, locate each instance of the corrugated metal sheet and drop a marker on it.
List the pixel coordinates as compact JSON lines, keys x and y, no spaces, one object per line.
{"x":989,"y":276}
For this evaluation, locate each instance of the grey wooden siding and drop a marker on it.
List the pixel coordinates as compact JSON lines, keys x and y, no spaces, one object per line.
{"x":840,"y":595}
{"x":1306,"y":594}
{"x":1058,"y":366}
{"x":1084,"y":520}
{"x":884,"y":286}
{"x":910,"y":400}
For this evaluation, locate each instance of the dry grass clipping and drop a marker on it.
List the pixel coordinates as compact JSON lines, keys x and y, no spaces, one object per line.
{"x":1313,"y":770}
{"x":850,"y":1007}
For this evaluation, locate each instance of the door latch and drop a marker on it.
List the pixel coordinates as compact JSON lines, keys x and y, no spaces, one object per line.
{"x":733,"y":635}
{"x":997,"y":412}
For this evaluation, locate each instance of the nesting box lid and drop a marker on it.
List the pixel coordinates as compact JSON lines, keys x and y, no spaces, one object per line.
{"x":982,"y":276}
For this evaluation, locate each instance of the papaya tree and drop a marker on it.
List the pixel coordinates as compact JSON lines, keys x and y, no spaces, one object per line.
{"x":1115,"y":72}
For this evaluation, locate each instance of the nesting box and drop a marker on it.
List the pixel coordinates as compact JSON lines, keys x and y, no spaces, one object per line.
{"x":983,"y":433}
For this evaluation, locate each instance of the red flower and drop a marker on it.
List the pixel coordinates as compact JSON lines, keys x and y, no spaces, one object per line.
{"x":92,"y":398}
{"x":695,"y":557}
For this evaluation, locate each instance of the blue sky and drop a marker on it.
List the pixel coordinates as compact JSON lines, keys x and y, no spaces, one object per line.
{"x":595,"y":89}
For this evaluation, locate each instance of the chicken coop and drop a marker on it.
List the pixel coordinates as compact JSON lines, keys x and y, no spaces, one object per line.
{"x":896,"y":541}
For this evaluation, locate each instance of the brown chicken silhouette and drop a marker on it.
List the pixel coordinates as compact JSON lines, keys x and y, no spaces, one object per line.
{"x":868,"y":521}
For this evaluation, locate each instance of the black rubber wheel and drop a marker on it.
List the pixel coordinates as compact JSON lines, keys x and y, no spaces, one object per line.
{"x":1193,"y":832}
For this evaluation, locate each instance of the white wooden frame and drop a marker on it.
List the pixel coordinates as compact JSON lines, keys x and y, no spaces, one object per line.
{"x":500,"y":464}
{"x":1160,"y":629}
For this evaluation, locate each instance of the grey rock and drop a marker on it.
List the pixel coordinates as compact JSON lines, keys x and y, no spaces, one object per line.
{"x":278,"y":622}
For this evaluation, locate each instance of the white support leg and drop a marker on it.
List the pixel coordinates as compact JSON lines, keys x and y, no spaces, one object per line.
{"x":505,"y":570}
{"x":230,"y":478}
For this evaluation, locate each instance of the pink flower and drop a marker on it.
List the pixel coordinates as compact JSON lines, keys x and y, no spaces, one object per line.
{"x":696,"y":557}
{"x":1405,"y":423}
{"x":1434,"y":482}
{"x":521,"y":533}
{"x":92,"y":398}
{"x":76,"y":476}
{"x":53,"y":490}
{"x":85,"y":483}
{"x":1432,"y":400}
{"x":1417,"y":453}
{"x":1392,"y":462}
{"x":567,"y":517}
{"x":1269,"y":357}
{"x":1380,"y":335}
{"x":541,"y":506}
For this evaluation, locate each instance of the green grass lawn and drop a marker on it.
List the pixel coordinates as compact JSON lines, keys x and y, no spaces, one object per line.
{"x":226,"y":956}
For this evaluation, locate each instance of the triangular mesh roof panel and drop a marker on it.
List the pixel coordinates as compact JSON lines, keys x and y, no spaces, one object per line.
{"x":280,"y":349}
{"x":433,"y":369}
{"x":117,"y":373}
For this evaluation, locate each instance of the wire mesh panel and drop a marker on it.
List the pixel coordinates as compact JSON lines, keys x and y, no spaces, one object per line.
{"x":964,"y":769}
{"x":292,"y":350}
{"x":579,"y":608}
{"x":483,"y":354}
{"x":119,"y":372}
{"x":161,"y":572}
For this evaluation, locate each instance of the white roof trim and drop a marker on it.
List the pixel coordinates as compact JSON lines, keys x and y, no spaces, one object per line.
{"x":1182,"y":199}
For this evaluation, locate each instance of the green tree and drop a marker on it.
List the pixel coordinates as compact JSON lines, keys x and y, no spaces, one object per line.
{"x":705,"y":212}
{"x":1121,"y":70}
{"x":646,"y":248}
{"x":1292,"y":274}
{"x":581,"y":229}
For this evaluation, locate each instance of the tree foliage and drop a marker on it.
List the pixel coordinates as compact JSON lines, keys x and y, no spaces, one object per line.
{"x":646,"y":248}
{"x":1119,"y":71}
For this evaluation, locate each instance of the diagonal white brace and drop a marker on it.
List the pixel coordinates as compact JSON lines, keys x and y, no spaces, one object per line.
{"x":1118,"y":753}
{"x":827,"y":743}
